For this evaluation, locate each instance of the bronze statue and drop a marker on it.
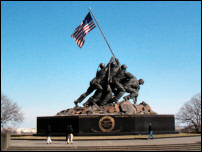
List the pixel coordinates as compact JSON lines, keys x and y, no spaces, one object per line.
{"x":114,"y":67}
{"x":117,"y":80}
{"x":95,"y":84}
{"x":132,"y":86}
{"x":110,"y":83}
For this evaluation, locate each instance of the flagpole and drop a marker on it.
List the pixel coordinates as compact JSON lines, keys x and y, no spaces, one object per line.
{"x":101,"y":31}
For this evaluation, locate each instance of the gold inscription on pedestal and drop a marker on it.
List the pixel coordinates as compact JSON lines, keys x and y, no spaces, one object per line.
{"x":106,"y":124}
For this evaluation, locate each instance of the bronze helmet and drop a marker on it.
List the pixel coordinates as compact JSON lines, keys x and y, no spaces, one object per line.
{"x":123,"y":66}
{"x":141,"y":81}
{"x":102,"y":65}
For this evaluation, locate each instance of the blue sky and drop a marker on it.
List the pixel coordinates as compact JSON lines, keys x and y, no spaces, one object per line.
{"x":44,"y":71}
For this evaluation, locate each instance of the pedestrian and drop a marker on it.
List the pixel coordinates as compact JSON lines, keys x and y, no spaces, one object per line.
{"x":150,"y":131}
{"x":69,"y":134}
{"x":48,"y":134}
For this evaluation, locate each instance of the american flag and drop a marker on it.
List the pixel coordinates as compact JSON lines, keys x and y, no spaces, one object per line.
{"x":86,"y":26}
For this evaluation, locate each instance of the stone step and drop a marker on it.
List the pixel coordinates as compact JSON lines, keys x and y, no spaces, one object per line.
{"x":171,"y":147}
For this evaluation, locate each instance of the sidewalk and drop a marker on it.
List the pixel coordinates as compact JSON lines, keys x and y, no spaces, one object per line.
{"x":125,"y":142}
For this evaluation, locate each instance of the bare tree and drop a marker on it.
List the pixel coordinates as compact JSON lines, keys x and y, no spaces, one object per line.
{"x":10,"y":111}
{"x":190,"y":113}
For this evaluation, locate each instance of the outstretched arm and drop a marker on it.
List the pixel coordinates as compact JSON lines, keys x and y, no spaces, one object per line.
{"x":111,"y":60}
{"x":118,"y":63}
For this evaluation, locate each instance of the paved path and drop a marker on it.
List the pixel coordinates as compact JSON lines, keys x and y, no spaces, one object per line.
{"x":125,"y":142}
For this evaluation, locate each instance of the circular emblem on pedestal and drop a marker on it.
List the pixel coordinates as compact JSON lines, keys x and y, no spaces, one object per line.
{"x":106,"y":124}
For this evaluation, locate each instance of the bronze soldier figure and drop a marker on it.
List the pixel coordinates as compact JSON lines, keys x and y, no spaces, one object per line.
{"x":132,"y":86}
{"x":117,"y":85}
{"x":107,"y":95}
{"x":95,"y":84}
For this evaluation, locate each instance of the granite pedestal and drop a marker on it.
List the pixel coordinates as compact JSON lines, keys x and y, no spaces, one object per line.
{"x":107,"y":124}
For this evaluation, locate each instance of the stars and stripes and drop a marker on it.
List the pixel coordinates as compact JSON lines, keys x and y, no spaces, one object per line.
{"x":86,"y":26}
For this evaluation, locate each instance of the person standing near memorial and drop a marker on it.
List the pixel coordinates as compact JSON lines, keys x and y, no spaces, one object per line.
{"x":69,"y":134}
{"x":150,"y":131}
{"x":48,"y":134}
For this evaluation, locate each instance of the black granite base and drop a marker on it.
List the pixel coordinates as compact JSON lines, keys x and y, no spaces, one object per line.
{"x":107,"y":124}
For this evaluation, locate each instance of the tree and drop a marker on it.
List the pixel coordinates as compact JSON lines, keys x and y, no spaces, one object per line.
{"x":190,"y":113}
{"x":10,"y":111}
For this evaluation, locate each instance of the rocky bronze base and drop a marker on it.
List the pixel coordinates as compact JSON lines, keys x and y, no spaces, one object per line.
{"x":119,"y":108}
{"x":107,"y":124}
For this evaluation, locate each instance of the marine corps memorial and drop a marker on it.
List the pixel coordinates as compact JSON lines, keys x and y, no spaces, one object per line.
{"x":103,"y":113}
